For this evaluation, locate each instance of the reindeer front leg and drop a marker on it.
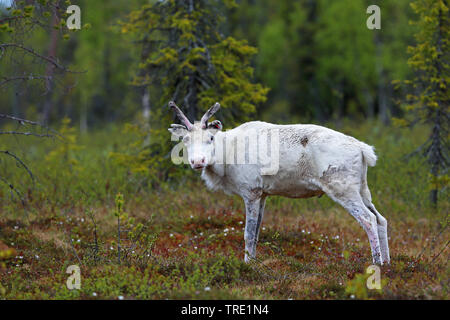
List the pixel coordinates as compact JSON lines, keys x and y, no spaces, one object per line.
{"x":251,"y":227}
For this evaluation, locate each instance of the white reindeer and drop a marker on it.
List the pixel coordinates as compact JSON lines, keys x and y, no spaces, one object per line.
{"x":313,"y":160}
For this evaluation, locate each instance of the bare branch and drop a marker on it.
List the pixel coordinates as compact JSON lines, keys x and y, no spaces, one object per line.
{"x":21,"y":121}
{"x":28,"y":134}
{"x":20,"y":162}
{"x":31,"y":51}
{"x":56,"y":64}
{"x":24,"y":121}
{"x":11,"y":19}
{"x":12,"y":190}
{"x":30,"y":77}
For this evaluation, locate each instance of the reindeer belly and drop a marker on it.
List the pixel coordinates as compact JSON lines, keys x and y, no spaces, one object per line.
{"x":296,"y":193}
{"x":295,"y":177}
{"x":291,"y":185}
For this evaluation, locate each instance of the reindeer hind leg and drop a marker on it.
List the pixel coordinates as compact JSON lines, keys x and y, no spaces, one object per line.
{"x":381,"y":223}
{"x":352,"y":201}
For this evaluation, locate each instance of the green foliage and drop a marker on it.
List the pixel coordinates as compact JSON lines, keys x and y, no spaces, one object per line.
{"x":195,"y":239}
{"x":5,"y":254}
{"x":185,"y":58}
{"x":429,"y":59}
{"x":184,"y":52}
{"x":357,"y":287}
{"x":103,"y":91}
{"x":428,"y":99}
{"x":134,"y":242}
{"x":318,"y":58}
{"x":237,"y":95}
{"x":64,"y":152}
{"x":147,"y":156}
{"x":178,"y":241}
{"x":61,"y":162}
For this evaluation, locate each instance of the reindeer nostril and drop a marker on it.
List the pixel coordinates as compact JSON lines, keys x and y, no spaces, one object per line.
{"x":203,"y":160}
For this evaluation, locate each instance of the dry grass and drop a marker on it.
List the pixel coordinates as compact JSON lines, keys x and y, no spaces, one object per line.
{"x":301,"y":255}
{"x":308,"y":249}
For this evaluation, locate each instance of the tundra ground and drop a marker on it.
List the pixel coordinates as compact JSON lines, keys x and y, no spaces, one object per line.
{"x":180,"y":241}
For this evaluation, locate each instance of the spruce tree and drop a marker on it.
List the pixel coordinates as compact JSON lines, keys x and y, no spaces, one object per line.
{"x":190,"y":61}
{"x":186,"y":58}
{"x":428,"y":100}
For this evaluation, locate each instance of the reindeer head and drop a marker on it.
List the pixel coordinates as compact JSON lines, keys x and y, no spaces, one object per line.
{"x":198,"y":137}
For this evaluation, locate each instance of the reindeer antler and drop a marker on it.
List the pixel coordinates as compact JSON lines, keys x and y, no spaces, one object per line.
{"x":209,"y":114}
{"x":184,"y":120}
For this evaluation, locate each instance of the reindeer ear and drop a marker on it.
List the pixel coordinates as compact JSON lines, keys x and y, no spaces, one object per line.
{"x":216,"y":124}
{"x":178,"y":130}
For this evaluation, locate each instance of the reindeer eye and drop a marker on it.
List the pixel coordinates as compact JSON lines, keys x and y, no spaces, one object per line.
{"x":212,"y":138}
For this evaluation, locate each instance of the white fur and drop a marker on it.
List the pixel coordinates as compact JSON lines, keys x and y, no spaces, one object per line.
{"x":313,"y":160}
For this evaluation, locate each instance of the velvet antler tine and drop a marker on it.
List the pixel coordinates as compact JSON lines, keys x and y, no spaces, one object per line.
{"x":209,"y":114}
{"x":184,"y":120}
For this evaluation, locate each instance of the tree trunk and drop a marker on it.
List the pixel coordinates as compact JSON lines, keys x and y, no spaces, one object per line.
{"x":107,"y":88}
{"x":383,"y":96}
{"x":340,"y":89}
{"x":48,"y":104}
{"x":83,"y":119}
{"x":436,"y":153}
{"x":144,"y":90}
{"x":190,"y":100}
{"x":370,"y":110}
{"x":146,"y":103}
{"x":435,"y":156}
